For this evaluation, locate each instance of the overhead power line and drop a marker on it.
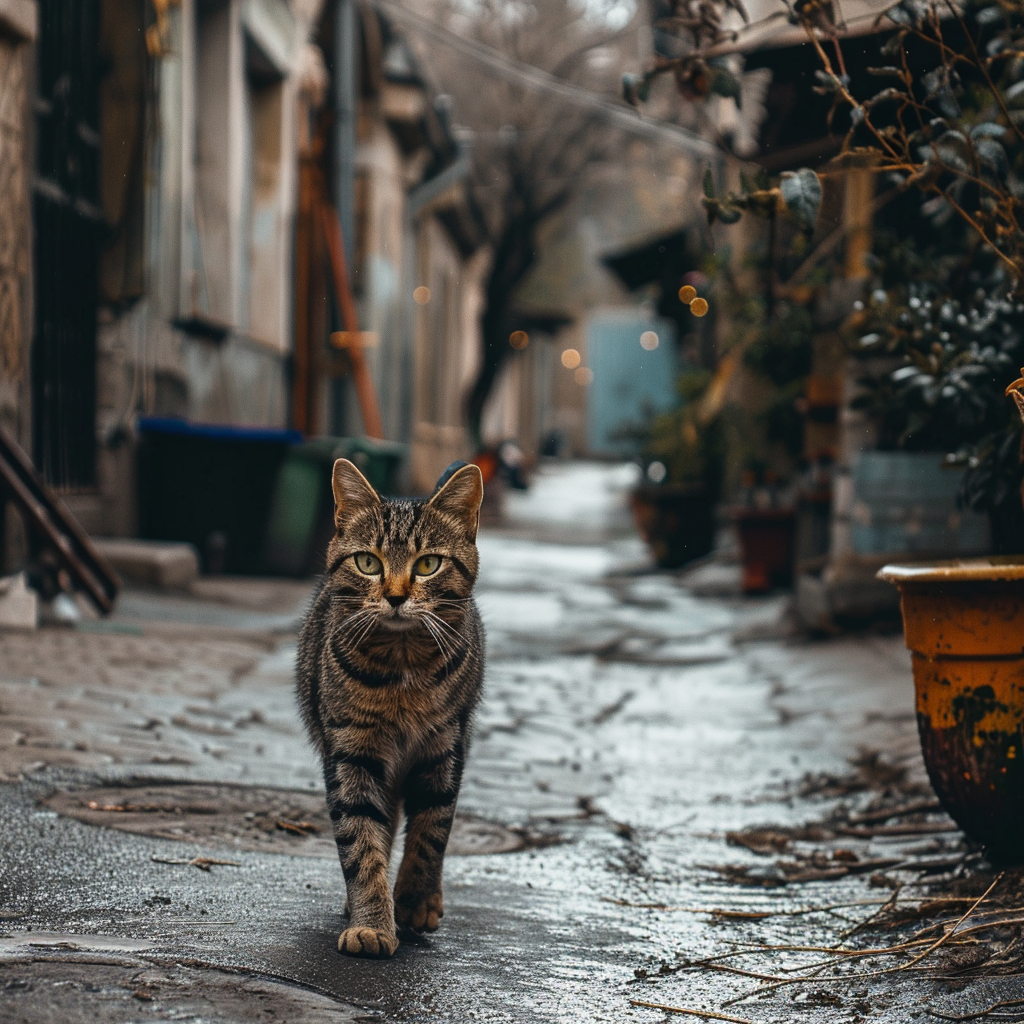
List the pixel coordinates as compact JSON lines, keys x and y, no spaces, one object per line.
{"x":536,"y":78}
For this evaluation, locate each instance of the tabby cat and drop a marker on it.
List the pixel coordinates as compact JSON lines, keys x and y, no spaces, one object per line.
{"x":390,"y":669}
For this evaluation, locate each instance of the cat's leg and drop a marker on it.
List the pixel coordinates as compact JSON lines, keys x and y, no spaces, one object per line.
{"x":430,"y":792}
{"x":363,"y":812}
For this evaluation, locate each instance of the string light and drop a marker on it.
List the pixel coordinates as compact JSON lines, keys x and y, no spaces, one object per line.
{"x":649,"y":341}
{"x":421,"y":296}
{"x":571,"y":359}
{"x":519,"y":340}
{"x":583,"y":376}
{"x":688,"y":297}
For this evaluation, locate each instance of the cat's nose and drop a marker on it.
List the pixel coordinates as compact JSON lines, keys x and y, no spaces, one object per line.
{"x":396,"y":599}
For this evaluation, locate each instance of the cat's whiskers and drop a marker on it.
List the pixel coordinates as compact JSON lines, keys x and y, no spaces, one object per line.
{"x":372,"y":621}
{"x":357,"y":626}
{"x":449,"y":646}
{"x":447,"y":627}
{"x":442,"y":645}
{"x":442,"y":630}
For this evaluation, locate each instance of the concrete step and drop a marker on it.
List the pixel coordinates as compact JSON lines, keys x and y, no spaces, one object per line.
{"x":167,"y":564}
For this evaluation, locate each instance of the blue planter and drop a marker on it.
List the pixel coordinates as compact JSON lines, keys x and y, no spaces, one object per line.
{"x":906,"y":503}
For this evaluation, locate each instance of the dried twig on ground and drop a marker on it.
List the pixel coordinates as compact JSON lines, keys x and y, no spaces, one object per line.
{"x":979,"y":1015}
{"x":300,"y":828}
{"x":203,"y":863}
{"x":706,"y":1014}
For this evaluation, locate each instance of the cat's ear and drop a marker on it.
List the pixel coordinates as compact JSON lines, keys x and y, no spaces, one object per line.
{"x":352,"y":491}
{"x":459,"y":495}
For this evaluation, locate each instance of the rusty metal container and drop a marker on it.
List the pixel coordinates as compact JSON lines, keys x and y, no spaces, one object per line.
{"x":963,"y":622}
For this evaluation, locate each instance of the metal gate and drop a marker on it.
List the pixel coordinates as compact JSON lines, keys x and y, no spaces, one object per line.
{"x":67,"y":222}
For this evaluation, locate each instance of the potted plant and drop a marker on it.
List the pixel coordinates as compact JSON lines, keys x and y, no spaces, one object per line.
{"x":681,"y":459}
{"x":778,"y":353}
{"x":938,"y":336}
{"x":962,"y":623}
{"x":766,"y":528}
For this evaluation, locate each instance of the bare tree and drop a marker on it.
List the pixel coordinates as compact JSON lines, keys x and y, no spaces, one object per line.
{"x":532,"y":146}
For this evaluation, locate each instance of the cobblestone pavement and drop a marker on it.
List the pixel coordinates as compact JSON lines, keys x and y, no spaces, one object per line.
{"x":632,"y":720}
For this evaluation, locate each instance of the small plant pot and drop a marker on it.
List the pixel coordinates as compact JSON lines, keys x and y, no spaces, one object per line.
{"x":767,"y":539}
{"x":964,"y":625}
{"x":677,"y":523}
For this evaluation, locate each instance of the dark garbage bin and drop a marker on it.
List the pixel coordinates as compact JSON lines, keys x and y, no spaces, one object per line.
{"x":676,"y":522}
{"x":212,"y":486}
{"x":301,"y":520}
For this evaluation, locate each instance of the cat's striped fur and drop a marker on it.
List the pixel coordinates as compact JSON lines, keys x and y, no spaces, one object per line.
{"x":390,"y":669}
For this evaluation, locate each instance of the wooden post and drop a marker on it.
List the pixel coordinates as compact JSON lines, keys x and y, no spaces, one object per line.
{"x":360,"y":371}
{"x":302,"y":397}
{"x":858,"y":214}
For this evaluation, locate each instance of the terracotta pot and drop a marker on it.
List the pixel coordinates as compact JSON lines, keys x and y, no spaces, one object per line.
{"x":766,"y":547}
{"x":676,"y":522}
{"x":964,"y":624}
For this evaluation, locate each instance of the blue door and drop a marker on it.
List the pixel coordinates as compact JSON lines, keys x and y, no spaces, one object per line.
{"x":633,"y":358}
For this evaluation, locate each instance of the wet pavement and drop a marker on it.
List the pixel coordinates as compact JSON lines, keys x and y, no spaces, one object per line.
{"x":633,"y":720}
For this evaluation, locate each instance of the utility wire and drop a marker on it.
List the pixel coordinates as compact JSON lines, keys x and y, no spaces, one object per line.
{"x":536,"y":78}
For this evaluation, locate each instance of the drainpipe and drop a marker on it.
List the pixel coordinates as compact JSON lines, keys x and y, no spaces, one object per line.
{"x":345,"y":78}
{"x":345,"y":72}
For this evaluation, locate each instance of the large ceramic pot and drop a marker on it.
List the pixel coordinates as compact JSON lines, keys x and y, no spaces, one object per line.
{"x":676,"y":522}
{"x":766,"y":538}
{"x":964,"y":625}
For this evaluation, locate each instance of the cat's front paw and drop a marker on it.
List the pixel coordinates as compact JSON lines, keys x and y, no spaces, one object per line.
{"x":367,"y":942}
{"x":420,"y":913}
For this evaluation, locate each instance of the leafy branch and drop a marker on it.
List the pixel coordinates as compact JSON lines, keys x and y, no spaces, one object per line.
{"x":948,"y":120}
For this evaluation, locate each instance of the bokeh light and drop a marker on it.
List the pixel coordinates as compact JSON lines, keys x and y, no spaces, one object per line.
{"x":699,"y":307}
{"x":583,"y":376}
{"x":687,"y":294}
{"x":649,"y":340}
{"x":421,"y":296}
{"x":519,"y":340}
{"x":571,"y":359}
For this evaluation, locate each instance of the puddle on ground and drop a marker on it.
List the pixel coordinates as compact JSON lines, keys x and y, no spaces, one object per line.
{"x":86,"y":992}
{"x":26,"y":941}
{"x":258,"y":819}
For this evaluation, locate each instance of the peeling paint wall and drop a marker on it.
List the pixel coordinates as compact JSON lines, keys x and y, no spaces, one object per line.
{"x":210,"y":337}
{"x":380,"y":275}
{"x":439,"y":373}
{"x":15,"y":228}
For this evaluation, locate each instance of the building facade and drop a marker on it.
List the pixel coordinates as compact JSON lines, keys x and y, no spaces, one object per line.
{"x":155,"y":157}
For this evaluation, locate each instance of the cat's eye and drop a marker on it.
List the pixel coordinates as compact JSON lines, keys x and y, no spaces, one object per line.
{"x":367,"y":564}
{"x":427,"y":565}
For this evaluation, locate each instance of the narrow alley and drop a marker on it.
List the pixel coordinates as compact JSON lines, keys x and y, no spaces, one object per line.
{"x":649,"y":760}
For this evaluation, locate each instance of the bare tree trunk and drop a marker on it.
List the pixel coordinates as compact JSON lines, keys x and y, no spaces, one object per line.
{"x":513,"y":258}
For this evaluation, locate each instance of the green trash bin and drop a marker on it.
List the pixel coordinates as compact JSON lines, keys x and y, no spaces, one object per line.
{"x":301,"y":521}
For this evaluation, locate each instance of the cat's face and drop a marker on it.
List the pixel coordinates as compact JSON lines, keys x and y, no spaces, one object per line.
{"x":399,"y":565}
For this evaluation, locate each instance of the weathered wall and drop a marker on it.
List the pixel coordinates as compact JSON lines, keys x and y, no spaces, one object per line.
{"x":209,"y":339}
{"x":439,"y":373}
{"x":15,"y":229}
{"x":380,"y":275}
{"x":15,"y":277}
